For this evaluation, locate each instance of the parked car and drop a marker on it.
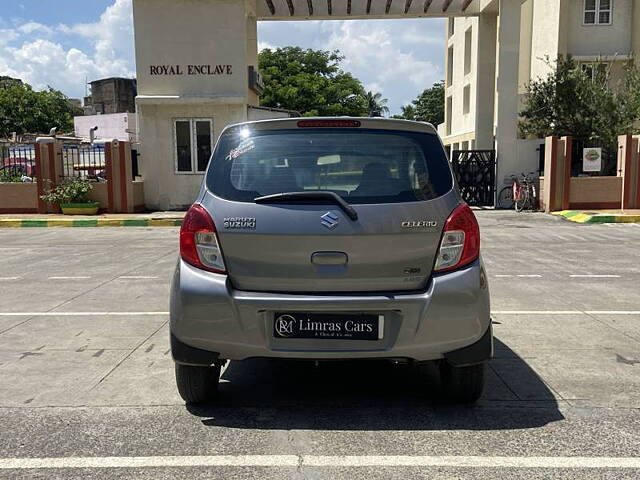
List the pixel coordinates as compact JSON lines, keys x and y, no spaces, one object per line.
{"x":330,"y":238}
{"x":19,"y":167}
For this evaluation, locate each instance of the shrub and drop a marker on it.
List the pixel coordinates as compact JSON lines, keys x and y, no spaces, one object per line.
{"x":570,"y":101}
{"x":73,"y":190}
{"x":10,"y":175}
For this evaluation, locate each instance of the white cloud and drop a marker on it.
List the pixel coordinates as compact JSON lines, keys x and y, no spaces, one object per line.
{"x":42,"y":60}
{"x":30,"y":27}
{"x":379,"y":55}
{"x":112,"y":35}
{"x":398,"y":58}
{"x":263,"y":45}
{"x":8,"y":35}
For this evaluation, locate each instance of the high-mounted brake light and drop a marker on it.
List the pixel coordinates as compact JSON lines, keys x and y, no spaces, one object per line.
{"x":198,"y":241}
{"x":329,"y":123}
{"x":460,"y":244}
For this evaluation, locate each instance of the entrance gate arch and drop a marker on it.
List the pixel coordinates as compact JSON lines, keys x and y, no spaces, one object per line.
{"x":198,"y":59}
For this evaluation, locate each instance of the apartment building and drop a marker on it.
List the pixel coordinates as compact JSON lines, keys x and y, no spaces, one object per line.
{"x":111,"y":95}
{"x":591,"y":31}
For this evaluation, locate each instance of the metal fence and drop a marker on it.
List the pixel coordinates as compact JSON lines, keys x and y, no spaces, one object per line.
{"x":605,"y":158}
{"x":83,"y":161}
{"x":17,"y":163}
{"x":475,"y":171}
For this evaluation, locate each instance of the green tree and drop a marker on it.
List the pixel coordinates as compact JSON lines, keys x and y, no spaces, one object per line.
{"x":310,"y":82}
{"x":23,"y":110}
{"x":376,"y":105}
{"x":427,"y":107}
{"x":586,"y":104}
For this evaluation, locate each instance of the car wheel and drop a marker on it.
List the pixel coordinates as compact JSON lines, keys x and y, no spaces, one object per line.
{"x":197,"y":384}
{"x":462,"y":384}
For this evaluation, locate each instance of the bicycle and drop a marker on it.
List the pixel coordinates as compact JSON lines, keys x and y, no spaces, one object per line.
{"x":521,"y":194}
{"x":524,"y":193}
{"x":505,"y":197}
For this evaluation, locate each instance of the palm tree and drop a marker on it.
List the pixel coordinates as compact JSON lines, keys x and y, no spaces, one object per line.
{"x":376,"y":105}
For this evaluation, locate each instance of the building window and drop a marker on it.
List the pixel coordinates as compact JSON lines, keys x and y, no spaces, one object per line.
{"x":193,"y":144}
{"x":466,"y":99}
{"x":452,"y":25}
{"x":467,"y":51}
{"x":597,"y":12}
{"x":450,"y":66}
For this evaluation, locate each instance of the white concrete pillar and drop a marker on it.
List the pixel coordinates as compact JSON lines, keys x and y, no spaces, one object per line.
{"x":252,"y":46}
{"x":192,"y":60}
{"x":635,"y":33}
{"x":507,"y":90}
{"x":485,"y":81}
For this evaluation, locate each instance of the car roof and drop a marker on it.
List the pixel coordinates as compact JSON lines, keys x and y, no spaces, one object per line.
{"x":365,"y":122}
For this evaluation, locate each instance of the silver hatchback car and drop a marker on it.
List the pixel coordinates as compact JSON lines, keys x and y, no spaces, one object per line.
{"x":330,"y":238}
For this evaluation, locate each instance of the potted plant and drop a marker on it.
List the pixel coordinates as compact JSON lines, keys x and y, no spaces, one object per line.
{"x":73,"y":197}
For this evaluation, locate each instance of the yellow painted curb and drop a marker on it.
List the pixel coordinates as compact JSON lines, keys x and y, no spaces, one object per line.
{"x":161,"y":223}
{"x":60,"y":223}
{"x":580,"y":218}
{"x":10,"y":222}
{"x":109,"y":222}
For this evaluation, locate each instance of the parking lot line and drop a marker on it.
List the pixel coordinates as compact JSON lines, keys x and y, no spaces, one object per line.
{"x":594,"y":276}
{"x":69,"y":278}
{"x":137,"y":277}
{"x":9,"y":278}
{"x":612,"y":312}
{"x":77,"y":314}
{"x":469,"y":461}
{"x":322,"y":461}
{"x":537,"y":312}
{"x":497,"y":312}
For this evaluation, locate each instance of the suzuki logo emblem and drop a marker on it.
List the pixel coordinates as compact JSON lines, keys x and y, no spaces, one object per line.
{"x":329,"y":220}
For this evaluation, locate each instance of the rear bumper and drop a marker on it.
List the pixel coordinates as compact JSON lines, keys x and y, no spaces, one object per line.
{"x":211,"y":320}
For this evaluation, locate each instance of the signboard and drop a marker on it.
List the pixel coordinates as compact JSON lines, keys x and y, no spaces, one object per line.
{"x":171,"y":70}
{"x":592,"y":159}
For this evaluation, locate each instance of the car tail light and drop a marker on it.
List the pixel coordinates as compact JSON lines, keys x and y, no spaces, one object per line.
{"x":460,"y":244}
{"x":199,"y":242}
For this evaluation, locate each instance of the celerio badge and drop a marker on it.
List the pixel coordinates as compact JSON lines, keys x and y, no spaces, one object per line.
{"x":419,"y":224}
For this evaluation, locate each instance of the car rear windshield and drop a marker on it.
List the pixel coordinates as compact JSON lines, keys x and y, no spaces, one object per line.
{"x":362,"y":166}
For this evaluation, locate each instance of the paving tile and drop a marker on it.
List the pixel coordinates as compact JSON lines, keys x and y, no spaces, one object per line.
{"x":557,"y":332}
{"x":146,"y":377}
{"x":627,"y":324}
{"x":53,"y":378}
{"x":595,"y":377}
{"x":7,"y":323}
{"x":77,"y":333}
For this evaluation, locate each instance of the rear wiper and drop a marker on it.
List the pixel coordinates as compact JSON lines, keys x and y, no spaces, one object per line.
{"x":310,"y":196}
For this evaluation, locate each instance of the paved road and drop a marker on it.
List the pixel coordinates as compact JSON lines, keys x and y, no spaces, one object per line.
{"x":86,"y":378}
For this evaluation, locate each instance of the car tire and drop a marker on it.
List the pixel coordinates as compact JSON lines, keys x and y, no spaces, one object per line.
{"x":462,"y":384}
{"x":197,"y":384}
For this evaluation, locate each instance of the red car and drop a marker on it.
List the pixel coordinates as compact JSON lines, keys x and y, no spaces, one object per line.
{"x":18,"y":166}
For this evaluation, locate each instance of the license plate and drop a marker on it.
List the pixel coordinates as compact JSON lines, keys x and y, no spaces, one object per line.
{"x":329,"y":326}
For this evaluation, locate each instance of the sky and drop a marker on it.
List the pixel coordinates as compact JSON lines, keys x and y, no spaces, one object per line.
{"x":63,"y":42}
